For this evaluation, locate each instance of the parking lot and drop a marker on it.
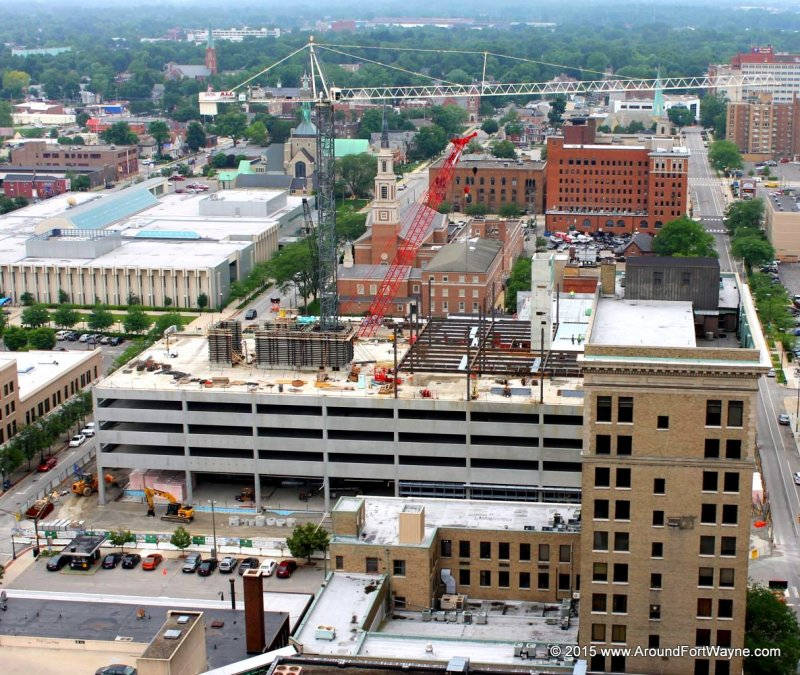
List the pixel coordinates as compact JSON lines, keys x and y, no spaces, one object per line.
{"x":110,"y":353}
{"x":167,"y":580}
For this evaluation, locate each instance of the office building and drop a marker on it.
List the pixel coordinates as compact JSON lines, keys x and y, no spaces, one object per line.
{"x":122,"y":161}
{"x":764,"y":129}
{"x":781,"y":67}
{"x":782,"y":223}
{"x":611,"y":187}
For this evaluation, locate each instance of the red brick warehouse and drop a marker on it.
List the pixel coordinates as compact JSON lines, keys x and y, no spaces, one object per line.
{"x":618,"y":188}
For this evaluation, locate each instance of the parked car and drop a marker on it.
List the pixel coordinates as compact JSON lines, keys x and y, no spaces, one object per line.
{"x":105,"y":340}
{"x":88,"y":430}
{"x":796,"y":477}
{"x":72,"y":336}
{"x":250,"y":314}
{"x":151,"y":561}
{"x":114,"y":341}
{"x":267,"y":568}
{"x":207,"y":567}
{"x":77,"y":440}
{"x":176,"y":178}
{"x":46,"y":464}
{"x":285,"y":569}
{"x":57,"y":562}
{"x":228,"y":564}
{"x":248,"y":564}
{"x":39,"y":510}
{"x":111,"y":561}
{"x":191,"y":563}
{"x":783,"y":419}
{"x":84,"y":337}
{"x":771,"y":372}
{"x":116,"y":669}
{"x":61,"y":334}
{"x":130,"y":560}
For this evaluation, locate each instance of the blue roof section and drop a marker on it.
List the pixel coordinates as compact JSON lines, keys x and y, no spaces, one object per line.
{"x":168,"y":234}
{"x":100,"y":213}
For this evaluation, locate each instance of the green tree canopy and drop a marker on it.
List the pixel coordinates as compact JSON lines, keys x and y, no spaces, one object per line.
{"x":307,"y":538}
{"x":684,"y":238}
{"x":42,"y":338}
{"x":136,"y":321}
{"x":451,"y":118}
{"x":514,"y":128}
{"x":555,"y":116}
{"x":770,"y":623}
{"x":357,"y":173}
{"x":680,"y":116}
{"x":257,"y":133}
{"x":202,"y":300}
{"x":15,"y":338}
{"x":490,"y":126}
{"x":504,"y":149}
{"x":350,"y":226}
{"x":119,"y":133}
{"x":159,"y":130}
{"x":372,"y":122}
{"x":195,"y":136}
{"x":429,"y":142}
{"x":15,"y":82}
{"x":753,"y":248}
{"x":164,"y":321}
{"x":724,"y":155}
{"x":99,"y":318}
{"x":35,"y":315}
{"x":744,"y":214}
{"x":232,"y":124}
{"x":121,"y":537}
{"x":6,"y":120}
{"x":713,"y":114}
{"x":509,"y":211}
{"x":476,"y":209}
{"x":66,"y":316}
{"x":520,"y":280}
{"x":181,"y":539}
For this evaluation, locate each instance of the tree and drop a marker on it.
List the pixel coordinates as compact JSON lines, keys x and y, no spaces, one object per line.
{"x":753,"y":248}
{"x":34,"y":316}
{"x":713,"y":114}
{"x":279,"y":130}
{"x":6,"y":119}
{"x":99,"y":318}
{"x":232,"y":124}
{"x":160,"y":132}
{"x":514,"y":129}
{"x":476,"y":209}
{"x":509,"y":211}
{"x":15,"y":82}
{"x":429,"y":142}
{"x":181,"y":539}
{"x":27,"y":298}
{"x":350,"y":226}
{"x":257,"y":133}
{"x":164,"y":321}
{"x":79,"y":183}
{"x":119,"y":133}
{"x":120,"y":537}
{"x":136,"y":321}
{"x":473,"y":148}
{"x":357,"y":173}
{"x":66,"y":316}
{"x":684,"y":238}
{"x":555,"y":116}
{"x":42,"y":338}
{"x":504,"y":149}
{"x":3,"y":323}
{"x":744,"y":214}
{"x":195,"y":136}
{"x":724,"y":155}
{"x":680,"y":116}
{"x":445,"y":207}
{"x":490,"y":126}
{"x":307,"y":538}
{"x":451,"y":118}
{"x":770,"y":623}
{"x":82,"y":118}
{"x":202,"y":300}
{"x":520,"y":280}
{"x":63,"y":296}
{"x":15,"y":338}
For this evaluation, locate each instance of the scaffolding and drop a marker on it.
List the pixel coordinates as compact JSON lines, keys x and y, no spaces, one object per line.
{"x":283,"y":347}
{"x":225,"y":342}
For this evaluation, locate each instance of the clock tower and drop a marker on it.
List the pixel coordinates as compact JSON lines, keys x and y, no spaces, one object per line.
{"x":385,"y":207}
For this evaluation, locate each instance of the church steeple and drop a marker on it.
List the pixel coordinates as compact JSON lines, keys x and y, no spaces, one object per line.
{"x":658,"y":96}
{"x":211,"y":52}
{"x":385,"y":210}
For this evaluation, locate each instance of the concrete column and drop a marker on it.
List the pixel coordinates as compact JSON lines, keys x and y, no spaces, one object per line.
{"x":186,"y":456}
{"x":256,"y":472}
{"x":326,"y":481}
{"x":101,"y":482}
{"x":396,"y":453}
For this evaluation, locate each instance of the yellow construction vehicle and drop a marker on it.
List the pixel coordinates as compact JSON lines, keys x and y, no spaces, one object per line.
{"x":176,"y":512}
{"x":86,"y":483}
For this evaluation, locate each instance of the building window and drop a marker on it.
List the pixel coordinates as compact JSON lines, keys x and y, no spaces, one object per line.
{"x":704,"y":607}
{"x":727,"y":546}
{"x":723,"y":640}
{"x":735,"y":413}
{"x":463,"y":577}
{"x":339,"y":562}
{"x":624,"y":445}
{"x":730,"y":482}
{"x":524,"y":579}
{"x":371,"y":565}
{"x":600,"y":571}
{"x":659,"y":486}
{"x":622,"y":541}
{"x":654,"y":641}
{"x":564,"y":553}
{"x":708,"y":514}
{"x":399,"y":568}
{"x":623,"y":478}
{"x":655,"y":580}
{"x":625,"y":409}
{"x":503,"y":579}
{"x":618,"y":633}
{"x":620,"y":573}
{"x":602,"y":476}
{"x":544,"y":552}
{"x":485,"y":578}
{"x":524,"y":551}
{"x":598,"y":632}
{"x":711,"y":448}
{"x":504,"y":550}
{"x":601,"y":509}
{"x":710,"y":481}
{"x":733,"y":448}
{"x":622,"y":509}
{"x":603,"y":444}
{"x":543,"y":581}
{"x":726,"y":577}
{"x":656,"y":549}
{"x":713,"y":413}
{"x":599,"y":602}
{"x":662,"y":422}
{"x":463,"y":549}
{"x":603,"y":408}
{"x":446,"y":548}
{"x":725,"y":609}
{"x":619,"y":604}
{"x":707,"y":544}
{"x":705,"y":576}
{"x":399,"y":602}
{"x":485,"y":550}
{"x":600,"y":540}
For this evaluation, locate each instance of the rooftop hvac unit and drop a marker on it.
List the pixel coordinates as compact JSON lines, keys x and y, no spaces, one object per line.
{"x":481,"y":618}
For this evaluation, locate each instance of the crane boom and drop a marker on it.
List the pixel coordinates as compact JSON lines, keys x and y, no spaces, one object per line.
{"x":408,"y":247}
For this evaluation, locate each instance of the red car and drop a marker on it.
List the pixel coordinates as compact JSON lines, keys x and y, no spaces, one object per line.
{"x":150,"y":562}
{"x":176,"y":177}
{"x":46,"y":464}
{"x":285,"y":569}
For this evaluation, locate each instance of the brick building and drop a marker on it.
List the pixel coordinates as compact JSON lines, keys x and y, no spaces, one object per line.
{"x":762,"y":129}
{"x":495,"y":182}
{"x":34,"y":185}
{"x":121,"y":160}
{"x":616,"y":188}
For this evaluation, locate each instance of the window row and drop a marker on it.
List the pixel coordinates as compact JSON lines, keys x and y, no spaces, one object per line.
{"x":503,"y":550}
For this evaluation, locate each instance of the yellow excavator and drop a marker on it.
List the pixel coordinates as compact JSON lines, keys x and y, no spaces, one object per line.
{"x":86,"y":483}
{"x":176,"y":512}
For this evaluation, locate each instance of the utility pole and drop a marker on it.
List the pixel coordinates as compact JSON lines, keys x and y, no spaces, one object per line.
{"x":213,"y":530}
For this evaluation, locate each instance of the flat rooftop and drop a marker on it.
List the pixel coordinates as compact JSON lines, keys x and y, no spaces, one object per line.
{"x":783,"y":203}
{"x":381,"y":516}
{"x":643,"y":323}
{"x":188,"y":355}
{"x":37,"y":369}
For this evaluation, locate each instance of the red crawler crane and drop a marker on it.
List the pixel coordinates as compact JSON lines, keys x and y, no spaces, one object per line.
{"x":407,"y":249}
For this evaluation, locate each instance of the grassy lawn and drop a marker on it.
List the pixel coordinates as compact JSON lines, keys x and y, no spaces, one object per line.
{"x":185,"y":319}
{"x":348,"y":206}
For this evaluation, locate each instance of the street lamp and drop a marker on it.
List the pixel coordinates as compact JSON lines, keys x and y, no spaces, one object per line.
{"x":213,"y":530}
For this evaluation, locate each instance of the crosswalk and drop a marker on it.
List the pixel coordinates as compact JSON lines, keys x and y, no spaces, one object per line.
{"x":722,"y":231}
